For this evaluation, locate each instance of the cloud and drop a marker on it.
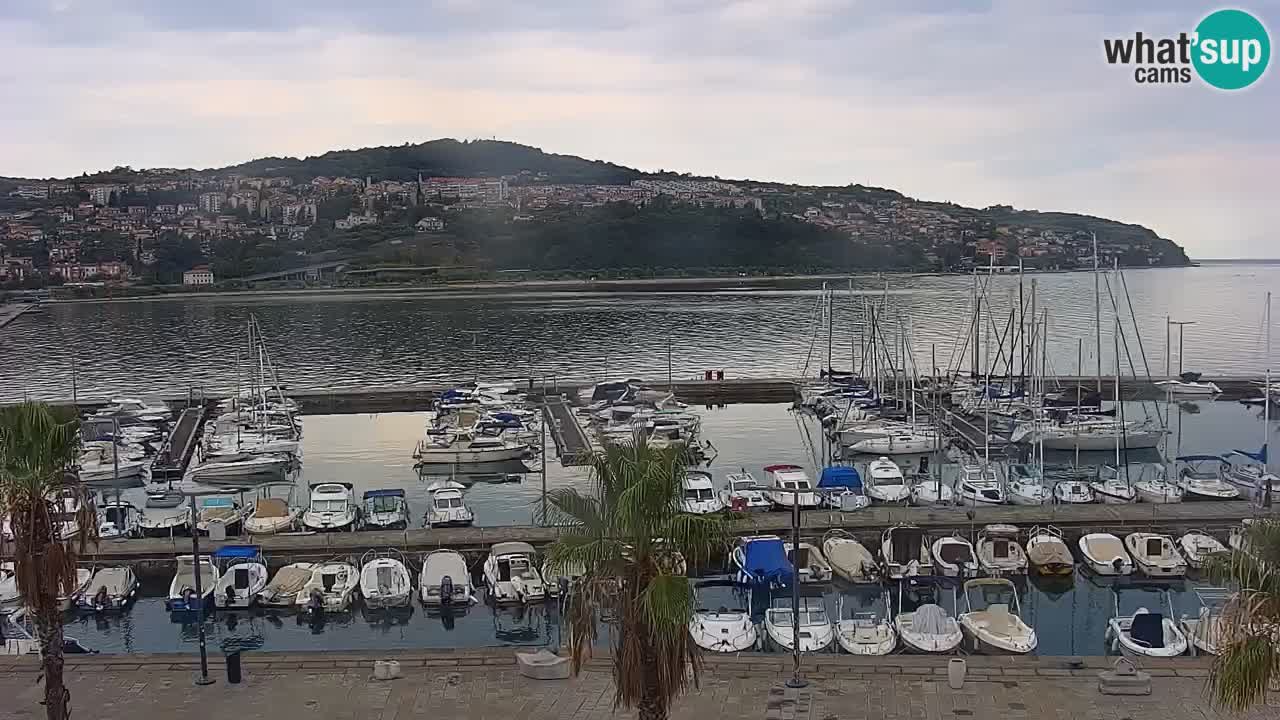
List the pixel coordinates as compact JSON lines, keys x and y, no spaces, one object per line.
{"x":978,"y":102}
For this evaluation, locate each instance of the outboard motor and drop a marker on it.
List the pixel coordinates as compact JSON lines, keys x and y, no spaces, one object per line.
{"x":562,"y":582}
{"x":315,"y":603}
{"x":1118,"y":563}
{"x":446,"y":590}
{"x":102,"y":600}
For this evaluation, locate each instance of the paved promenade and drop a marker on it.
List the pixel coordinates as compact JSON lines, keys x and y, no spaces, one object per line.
{"x":484,"y":685}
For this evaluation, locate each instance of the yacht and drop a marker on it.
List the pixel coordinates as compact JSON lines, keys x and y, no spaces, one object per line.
{"x":384,"y":510}
{"x":720,"y":622}
{"x":906,"y":552}
{"x":511,"y":575}
{"x":385,"y":580}
{"x":445,"y":580}
{"x":743,"y":494}
{"x":236,"y":467}
{"x":448,"y":448}
{"x":242,"y":576}
{"x":1185,"y":388}
{"x":932,"y":491}
{"x":331,"y":588}
{"x":885,"y":482}
{"x":1104,"y":553}
{"x":1155,"y":555}
{"x":699,"y":493}
{"x":816,"y":631}
{"x":979,"y":485}
{"x":332,"y":507}
{"x":127,"y":407}
{"x":762,"y":561}
{"x":182,"y":589}
{"x":840,"y":488}
{"x":953,"y":556}
{"x":789,"y":485}
{"x":896,"y":440}
{"x":447,"y":508}
{"x":1201,"y":478}
{"x":1207,"y":630}
{"x":993,"y":623}
{"x":162,"y":523}
{"x":998,"y":550}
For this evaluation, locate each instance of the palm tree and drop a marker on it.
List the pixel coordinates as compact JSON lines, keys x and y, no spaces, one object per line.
{"x":1249,"y":662}
{"x":38,"y":447}
{"x":623,"y":535}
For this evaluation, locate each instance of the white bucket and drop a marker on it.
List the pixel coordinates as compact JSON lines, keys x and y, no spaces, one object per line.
{"x":956,"y":670}
{"x":386,"y":670}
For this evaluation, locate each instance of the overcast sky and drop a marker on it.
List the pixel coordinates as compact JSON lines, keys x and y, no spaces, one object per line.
{"x":976,"y":103}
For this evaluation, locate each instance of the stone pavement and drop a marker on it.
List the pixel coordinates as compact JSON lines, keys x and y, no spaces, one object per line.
{"x":483,"y":685}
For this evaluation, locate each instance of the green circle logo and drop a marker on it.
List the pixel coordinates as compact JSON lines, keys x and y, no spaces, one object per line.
{"x":1231,"y":49}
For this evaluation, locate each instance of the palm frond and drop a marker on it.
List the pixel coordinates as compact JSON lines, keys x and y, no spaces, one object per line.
{"x":1249,"y":661}
{"x":1242,"y":672}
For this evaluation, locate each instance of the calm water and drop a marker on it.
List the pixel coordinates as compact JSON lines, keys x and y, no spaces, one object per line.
{"x":345,"y":340}
{"x":373,"y":451}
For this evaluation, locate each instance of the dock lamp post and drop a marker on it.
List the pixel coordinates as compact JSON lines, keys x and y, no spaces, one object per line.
{"x":795,"y":681}
{"x":1168,"y":342}
{"x":192,"y":493}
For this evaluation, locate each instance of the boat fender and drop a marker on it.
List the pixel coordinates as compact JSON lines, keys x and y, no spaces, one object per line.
{"x":446,"y":590}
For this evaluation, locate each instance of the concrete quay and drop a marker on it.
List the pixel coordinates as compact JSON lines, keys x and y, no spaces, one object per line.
{"x":484,"y":684}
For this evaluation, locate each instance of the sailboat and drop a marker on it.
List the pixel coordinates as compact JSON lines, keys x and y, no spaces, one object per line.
{"x":1252,"y":476}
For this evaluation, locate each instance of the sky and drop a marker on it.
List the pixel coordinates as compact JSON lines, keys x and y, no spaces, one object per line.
{"x":978,"y":103}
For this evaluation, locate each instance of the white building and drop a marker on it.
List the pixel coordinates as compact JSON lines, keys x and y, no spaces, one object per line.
{"x":198,"y":275}
{"x":212,"y":202}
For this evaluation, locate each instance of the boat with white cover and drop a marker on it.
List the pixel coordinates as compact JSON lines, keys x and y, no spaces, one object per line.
{"x":448,"y":508}
{"x":849,"y":558}
{"x":929,"y":628}
{"x":331,"y":588}
{"x":906,"y":552}
{"x":385,"y":580}
{"x":1198,"y":546}
{"x":445,"y":580}
{"x":953,"y":556}
{"x":283,"y":588}
{"x":511,"y":575}
{"x":700,"y":496}
{"x":743,"y":494}
{"x":998,"y":550}
{"x":1201,"y":478}
{"x":384,"y":509}
{"x":332,"y":507}
{"x":242,"y":576}
{"x":111,"y":589}
{"x":1144,"y":633}
{"x":720,"y":621}
{"x":182,"y":589}
{"x":788,"y":485}
{"x":1048,"y":553}
{"x":866,"y":633}
{"x":1155,"y":555}
{"x":992,"y":618}
{"x":118,"y":519}
{"x":816,"y":630}
{"x":1104,"y":553}
{"x":885,"y":482}
{"x":808,"y":562}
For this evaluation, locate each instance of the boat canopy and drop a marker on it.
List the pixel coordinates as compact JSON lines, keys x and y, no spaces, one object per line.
{"x":391,"y":492}
{"x":227,"y":552}
{"x":840,"y":476}
{"x":764,"y":561}
{"x":1260,"y":456}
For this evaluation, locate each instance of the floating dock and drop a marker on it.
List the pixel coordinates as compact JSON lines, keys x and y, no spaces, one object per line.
{"x":171,"y":463}
{"x":1174,"y":519}
{"x":572,"y":444}
{"x":13,"y":311}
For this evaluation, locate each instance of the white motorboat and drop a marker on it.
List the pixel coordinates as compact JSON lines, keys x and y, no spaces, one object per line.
{"x":979,"y":485}
{"x":83,"y":577}
{"x":447,"y":508}
{"x":866,"y":633}
{"x":992,"y":618}
{"x":1144,"y":634}
{"x":743,"y":494}
{"x":164,"y":498}
{"x":1206,"y":631}
{"x":849,"y":558}
{"x":283,"y":588}
{"x":385,"y":580}
{"x":1182,"y":388}
{"x":906,"y":552}
{"x":1026,"y":486}
{"x":452,"y":449}
{"x":384,"y":510}
{"x":110,"y":589}
{"x":118,"y":519}
{"x":511,"y":575}
{"x":816,"y":630}
{"x":1152,"y":486}
{"x":242,"y":576}
{"x":1048,"y":553}
{"x":231,"y":467}
{"x":953,"y":556}
{"x":726,"y":628}
{"x":127,"y":407}
{"x":272,"y":515}
{"x":998,"y":550}
{"x":1112,"y":489}
{"x":700,"y":496}
{"x":1198,"y":546}
{"x":333,"y":507}
{"x":809,"y":563}
{"x":445,"y":580}
{"x":1072,"y":492}
{"x":165,"y":523}
{"x":222,"y":511}
{"x":1104,"y":553}
{"x":929,"y":492}
{"x":94,"y":468}
{"x":1155,"y":555}
{"x":331,"y":588}
{"x":789,"y":485}
{"x":929,"y":628}
{"x":1201,"y":478}
{"x":840,"y":488}
{"x":885,"y":482}
{"x":182,"y":589}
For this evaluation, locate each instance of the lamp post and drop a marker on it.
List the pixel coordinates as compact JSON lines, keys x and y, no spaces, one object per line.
{"x":795,"y":681}
{"x":192,"y":494}
{"x":1168,"y":345}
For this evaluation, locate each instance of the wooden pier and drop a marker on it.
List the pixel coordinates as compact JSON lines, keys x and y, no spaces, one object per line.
{"x":175,"y":454}
{"x":572,"y":444}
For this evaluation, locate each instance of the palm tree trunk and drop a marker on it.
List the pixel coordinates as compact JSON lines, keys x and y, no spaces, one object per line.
{"x":651,"y":707}
{"x":49,"y":631}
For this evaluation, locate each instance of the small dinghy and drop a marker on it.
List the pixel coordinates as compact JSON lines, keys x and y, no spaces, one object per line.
{"x":929,"y":628}
{"x":866,"y":633}
{"x":331,"y":588}
{"x":1155,"y":555}
{"x":816,"y":631}
{"x":1104,"y":553}
{"x":808,"y":562}
{"x":1206,"y":630}
{"x":1201,"y":478}
{"x":998,"y":550}
{"x":511,"y":575}
{"x":906,"y":552}
{"x":1198,"y":546}
{"x":885,"y":482}
{"x":110,"y":589}
{"x":849,"y":558}
{"x":282,"y":591}
{"x":182,"y":590}
{"x":445,"y":580}
{"x":992,"y":618}
{"x":720,"y":622}
{"x":1048,"y":553}
{"x":953,"y":556}
{"x":242,"y":576}
{"x":743,"y":494}
{"x":384,"y":580}
{"x":1144,"y":634}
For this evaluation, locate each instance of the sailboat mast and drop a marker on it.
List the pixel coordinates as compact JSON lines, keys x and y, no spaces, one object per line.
{"x":830,"y":327}
{"x":1266,"y":393}
{"x":1097,"y":311}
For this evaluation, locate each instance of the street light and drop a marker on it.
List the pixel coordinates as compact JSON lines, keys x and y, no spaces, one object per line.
{"x":193,"y":493}
{"x":1168,"y":344}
